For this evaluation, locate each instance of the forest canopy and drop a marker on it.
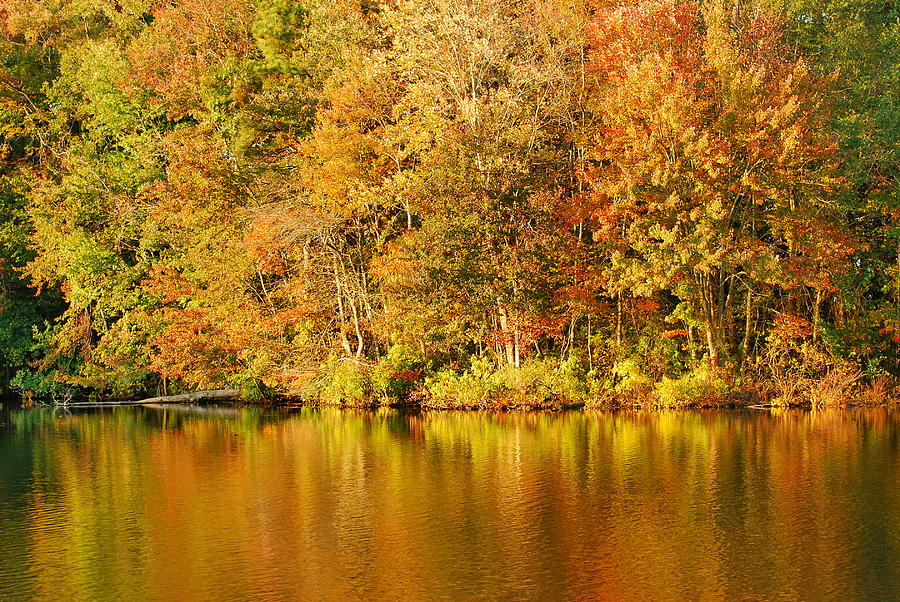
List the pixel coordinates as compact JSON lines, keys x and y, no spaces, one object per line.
{"x":451,"y":202}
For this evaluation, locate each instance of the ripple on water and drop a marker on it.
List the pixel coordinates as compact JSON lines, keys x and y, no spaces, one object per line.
{"x":152,"y":504}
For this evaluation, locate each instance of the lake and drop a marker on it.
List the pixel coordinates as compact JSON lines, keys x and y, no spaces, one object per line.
{"x":234,"y":503}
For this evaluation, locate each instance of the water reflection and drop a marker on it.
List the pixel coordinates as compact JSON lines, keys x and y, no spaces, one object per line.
{"x":217,"y":503}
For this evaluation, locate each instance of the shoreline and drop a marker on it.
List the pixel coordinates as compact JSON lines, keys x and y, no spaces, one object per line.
{"x":287,"y":402}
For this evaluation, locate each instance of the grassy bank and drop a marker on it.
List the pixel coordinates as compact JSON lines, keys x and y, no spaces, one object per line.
{"x":798,"y":375}
{"x":400,"y":379}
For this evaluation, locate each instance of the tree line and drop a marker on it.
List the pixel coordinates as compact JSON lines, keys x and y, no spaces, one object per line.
{"x":455,"y":202}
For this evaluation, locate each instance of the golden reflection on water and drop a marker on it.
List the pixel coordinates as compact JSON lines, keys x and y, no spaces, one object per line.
{"x":222,"y":503}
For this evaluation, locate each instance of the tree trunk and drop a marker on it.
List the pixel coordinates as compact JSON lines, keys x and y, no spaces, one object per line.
{"x":619,"y":319}
{"x":516,"y":347}
{"x":709,"y":307}
{"x":356,"y":328}
{"x":589,"y":352}
{"x":345,"y":343}
{"x":748,"y":323}
{"x":508,"y":346}
{"x":817,"y":309}
{"x":712,"y":346}
{"x":213,"y":395}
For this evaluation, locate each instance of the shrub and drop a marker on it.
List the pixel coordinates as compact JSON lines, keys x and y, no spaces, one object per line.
{"x":835,"y":387}
{"x":537,"y":383}
{"x":801,"y":371}
{"x":398,"y":372}
{"x":879,"y":390}
{"x":345,"y":381}
{"x":631,"y":377}
{"x":448,"y":389}
{"x":35,"y":385}
{"x":702,"y":385}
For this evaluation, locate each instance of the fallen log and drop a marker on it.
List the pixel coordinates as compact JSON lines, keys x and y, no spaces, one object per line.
{"x":77,"y":405}
{"x":194,"y":409}
{"x":214,"y":395}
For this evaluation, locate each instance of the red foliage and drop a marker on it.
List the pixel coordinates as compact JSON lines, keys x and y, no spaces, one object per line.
{"x":185,"y":39}
{"x":646,"y":305}
{"x":408,"y":375}
{"x":789,"y":327}
{"x":621,"y":36}
{"x":168,"y":284}
{"x":671,"y":334}
{"x":263,"y":245}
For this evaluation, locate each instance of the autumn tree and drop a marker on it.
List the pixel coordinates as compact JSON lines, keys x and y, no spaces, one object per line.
{"x":483,"y":133}
{"x":859,"y":41}
{"x":713,"y":175}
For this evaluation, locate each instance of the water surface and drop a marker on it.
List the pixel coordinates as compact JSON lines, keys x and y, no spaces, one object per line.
{"x":222,"y":503}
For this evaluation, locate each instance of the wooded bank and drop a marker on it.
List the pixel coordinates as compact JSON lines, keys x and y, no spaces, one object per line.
{"x":450,"y":200}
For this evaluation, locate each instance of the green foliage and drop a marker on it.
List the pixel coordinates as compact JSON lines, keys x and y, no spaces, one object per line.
{"x":537,"y":383}
{"x":631,"y":376}
{"x":278,"y":30}
{"x":397,"y":374}
{"x":573,"y":384}
{"x":41,"y":386}
{"x":345,"y":382}
{"x":703,"y":385}
{"x":474,"y":387}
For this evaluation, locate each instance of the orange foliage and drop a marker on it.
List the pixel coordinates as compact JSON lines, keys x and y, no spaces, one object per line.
{"x":671,"y":334}
{"x":263,"y":246}
{"x":187,"y":38}
{"x":790,"y":327}
{"x":646,"y":305}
